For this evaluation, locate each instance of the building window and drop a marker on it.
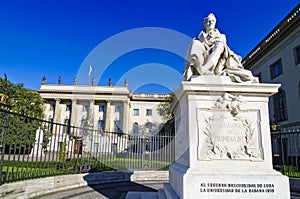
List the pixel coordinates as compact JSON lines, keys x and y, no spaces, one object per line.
{"x":66,"y":127}
{"x":101,"y":125}
{"x":136,"y":112}
{"x":68,"y":107}
{"x":118,"y":109}
{"x":50,"y":118}
{"x":84,"y":125}
{"x":85,"y":108}
{"x":66,"y":122}
{"x":135,"y":128}
{"x":101,"y":108}
{"x":51,"y":107}
{"x":117,"y":128}
{"x":297,"y":54}
{"x":148,"y":112}
{"x":280,"y":107}
{"x":276,"y":69}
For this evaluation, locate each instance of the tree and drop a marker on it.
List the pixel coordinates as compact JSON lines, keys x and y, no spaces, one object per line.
{"x":19,"y":125}
{"x":168,"y":128}
{"x":150,"y":128}
{"x":165,"y":107}
{"x":22,"y":100}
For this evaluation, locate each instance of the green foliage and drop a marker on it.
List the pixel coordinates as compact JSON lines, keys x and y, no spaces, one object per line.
{"x":22,"y":100}
{"x":150,"y":128}
{"x":19,"y":170}
{"x":62,"y":154}
{"x":165,"y":107}
{"x":288,"y":170}
{"x":19,"y":125}
{"x":13,"y":170}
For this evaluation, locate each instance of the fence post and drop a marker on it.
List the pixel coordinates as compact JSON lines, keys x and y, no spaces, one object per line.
{"x":281,"y":152}
{"x":4,"y":135}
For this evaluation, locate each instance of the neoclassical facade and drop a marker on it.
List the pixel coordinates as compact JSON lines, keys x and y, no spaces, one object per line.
{"x":104,"y":108}
{"x":276,"y":59}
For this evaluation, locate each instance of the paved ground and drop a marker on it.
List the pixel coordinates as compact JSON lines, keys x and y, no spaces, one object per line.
{"x":107,"y":191}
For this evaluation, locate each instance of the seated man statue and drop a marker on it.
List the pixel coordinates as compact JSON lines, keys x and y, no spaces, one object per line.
{"x":209,"y":55}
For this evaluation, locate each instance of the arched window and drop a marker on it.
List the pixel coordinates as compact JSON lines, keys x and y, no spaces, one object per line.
{"x":117,"y":126}
{"x":280,"y":106}
{"x":66,"y":128}
{"x":84,"y":123}
{"x":84,"y":126}
{"x":135,"y":128}
{"x":101,"y":125}
{"x":50,"y":118}
{"x":66,"y":122}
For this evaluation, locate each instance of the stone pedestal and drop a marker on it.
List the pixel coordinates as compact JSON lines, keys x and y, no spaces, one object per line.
{"x":223,"y":146}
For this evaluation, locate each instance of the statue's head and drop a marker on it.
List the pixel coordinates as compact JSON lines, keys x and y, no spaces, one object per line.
{"x":209,"y":22}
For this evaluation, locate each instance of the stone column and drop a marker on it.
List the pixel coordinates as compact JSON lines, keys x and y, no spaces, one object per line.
{"x":125,"y":116}
{"x":107,"y":116}
{"x":91,"y":113}
{"x":74,"y":112}
{"x":57,"y":111}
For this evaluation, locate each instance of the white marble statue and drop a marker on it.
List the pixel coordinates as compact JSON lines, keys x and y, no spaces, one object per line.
{"x":209,"y":55}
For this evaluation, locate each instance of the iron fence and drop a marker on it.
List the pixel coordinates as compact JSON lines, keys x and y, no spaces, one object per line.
{"x":286,"y":152}
{"x":32,"y":148}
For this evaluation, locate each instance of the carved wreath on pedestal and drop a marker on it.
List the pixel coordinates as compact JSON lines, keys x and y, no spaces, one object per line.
{"x":245,"y":148}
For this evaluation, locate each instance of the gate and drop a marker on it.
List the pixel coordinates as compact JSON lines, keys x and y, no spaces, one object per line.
{"x":286,"y":152}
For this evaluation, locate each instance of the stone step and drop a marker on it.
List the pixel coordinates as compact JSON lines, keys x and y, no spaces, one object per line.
{"x":169,"y":192}
{"x":161,"y":194}
{"x":142,"y":195}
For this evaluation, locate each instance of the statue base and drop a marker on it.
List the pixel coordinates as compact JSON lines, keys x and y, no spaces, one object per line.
{"x":188,"y":183}
{"x":223,"y":144}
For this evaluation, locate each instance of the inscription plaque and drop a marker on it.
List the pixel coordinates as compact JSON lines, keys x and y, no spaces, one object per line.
{"x":213,"y":187}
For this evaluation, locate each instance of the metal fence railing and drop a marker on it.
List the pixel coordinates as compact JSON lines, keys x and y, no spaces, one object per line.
{"x":286,"y":152}
{"x":32,"y":148}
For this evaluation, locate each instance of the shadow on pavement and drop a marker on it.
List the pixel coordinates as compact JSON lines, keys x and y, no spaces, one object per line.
{"x":115,"y":185}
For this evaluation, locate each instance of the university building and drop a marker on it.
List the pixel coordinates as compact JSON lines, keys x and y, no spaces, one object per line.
{"x":276,"y":59}
{"x":106,"y":111}
{"x":104,"y":108}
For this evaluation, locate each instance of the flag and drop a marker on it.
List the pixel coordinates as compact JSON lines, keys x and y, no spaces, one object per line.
{"x":91,"y":69}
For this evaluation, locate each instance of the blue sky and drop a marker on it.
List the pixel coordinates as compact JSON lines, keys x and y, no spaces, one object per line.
{"x":63,"y":37}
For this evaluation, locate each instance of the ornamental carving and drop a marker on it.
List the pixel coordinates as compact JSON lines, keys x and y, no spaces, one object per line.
{"x":227,"y":133}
